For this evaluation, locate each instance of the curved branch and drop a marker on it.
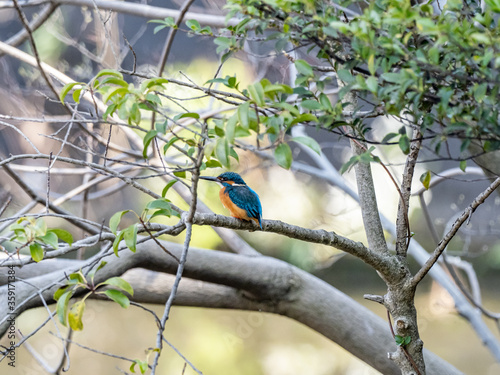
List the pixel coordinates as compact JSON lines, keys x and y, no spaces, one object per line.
{"x":134,"y":9}
{"x":35,"y":23}
{"x":224,"y":280}
{"x":319,"y":236}
{"x":454,"y":229}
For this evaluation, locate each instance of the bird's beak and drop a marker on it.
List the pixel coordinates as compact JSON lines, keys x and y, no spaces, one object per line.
{"x":209,"y":178}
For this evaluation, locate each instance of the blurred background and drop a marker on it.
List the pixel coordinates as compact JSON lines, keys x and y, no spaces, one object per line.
{"x":222,"y":341}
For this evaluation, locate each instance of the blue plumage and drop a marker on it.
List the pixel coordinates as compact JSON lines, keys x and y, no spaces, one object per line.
{"x":235,"y":195}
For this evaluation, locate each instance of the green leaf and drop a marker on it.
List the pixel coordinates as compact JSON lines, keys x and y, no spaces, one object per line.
{"x":480,"y":91}
{"x":463,"y":165}
{"x":75,"y":315}
{"x":371,"y":64}
{"x":50,"y":239}
{"x":256,"y":92}
{"x":193,"y":25}
{"x":167,"y":187}
{"x":481,"y":38}
{"x":169,"y":143}
{"x":243,"y":115}
{"x":63,"y":235}
{"x":118,"y":297}
{"x":304,"y":117}
{"x":91,"y":274}
{"x":152,"y":83}
{"x":372,"y":84}
{"x":130,"y":237}
{"x":36,"y":252}
{"x":148,"y":138}
{"x":109,"y":111}
{"x":113,"y":81}
{"x":119,"y":283}
{"x":76,"y":95}
{"x":309,"y":142}
{"x":67,"y":88}
{"x":392,"y":77}
{"x":310,"y":104}
{"x":40,"y":226}
{"x":388,"y":137}
{"x":231,"y":127}
{"x":159,"y":204}
{"x":143,"y":366}
{"x":213,"y":164}
{"x":283,"y":155}
{"x":325,"y":102}
{"x":404,"y":144}
{"x":402,"y":341}
{"x":110,"y":94}
{"x":62,"y":306}
{"x":109,"y":72}
{"x":222,"y":152}
{"x":59,"y":292}
{"x":188,"y":114}
{"x":351,"y":163}
{"x":117,"y":241}
{"x":425,"y":179}
{"x":278,"y":88}
{"x":345,"y":75}
{"x":115,"y":220}
{"x":77,"y":277}
{"x":304,"y":68}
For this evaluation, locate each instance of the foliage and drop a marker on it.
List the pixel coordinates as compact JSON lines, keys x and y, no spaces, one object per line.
{"x":33,"y":233}
{"x":78,"y":280}
{"x":437,"y":71}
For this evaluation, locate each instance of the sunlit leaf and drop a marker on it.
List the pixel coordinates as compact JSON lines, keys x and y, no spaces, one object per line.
{"x":167,"y":187}
{"x":75,"y":315}
{"x":130,"y":237}
{"x":114,"y":221}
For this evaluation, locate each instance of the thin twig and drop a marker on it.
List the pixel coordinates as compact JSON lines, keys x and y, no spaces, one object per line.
{"x":454,"y":229}
{"x":26,"y":25}
{"x":188,"y":221}
{"x":168,"y":46}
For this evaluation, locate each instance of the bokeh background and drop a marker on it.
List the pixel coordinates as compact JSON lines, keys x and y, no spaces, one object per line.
{"x":234,"y":342}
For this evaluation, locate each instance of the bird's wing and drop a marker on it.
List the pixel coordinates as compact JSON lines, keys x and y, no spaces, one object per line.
{"x":247,"y":199}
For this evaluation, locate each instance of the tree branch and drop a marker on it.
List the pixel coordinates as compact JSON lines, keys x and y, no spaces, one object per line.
{"x":456,"y":226}
{"x":224,"y":280}
{"x":134,"y":9}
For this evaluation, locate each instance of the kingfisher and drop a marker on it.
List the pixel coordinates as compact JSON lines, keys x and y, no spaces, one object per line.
{"x":238,"y":198}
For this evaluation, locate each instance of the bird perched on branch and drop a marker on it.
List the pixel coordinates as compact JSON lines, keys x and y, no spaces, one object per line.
{"x":238,"y":198}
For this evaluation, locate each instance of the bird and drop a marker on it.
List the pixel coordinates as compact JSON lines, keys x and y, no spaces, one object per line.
{"x":237,"y":197}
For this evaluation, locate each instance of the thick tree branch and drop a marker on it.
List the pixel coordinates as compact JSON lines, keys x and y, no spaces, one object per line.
{"x":134,"y":9}
{"x":380,"y":262}
{"x":368,"y":202}
{"x":227,"y":280}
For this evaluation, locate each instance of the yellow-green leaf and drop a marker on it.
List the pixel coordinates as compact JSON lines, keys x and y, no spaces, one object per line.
{"x":75,"y":315}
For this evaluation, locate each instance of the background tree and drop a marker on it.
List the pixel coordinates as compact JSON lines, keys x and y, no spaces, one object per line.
{"x":89,"y":121}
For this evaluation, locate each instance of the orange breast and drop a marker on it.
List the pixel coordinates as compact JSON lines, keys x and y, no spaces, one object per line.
{"x":236,"y":211}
